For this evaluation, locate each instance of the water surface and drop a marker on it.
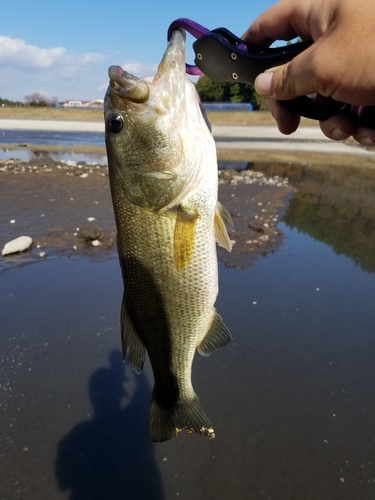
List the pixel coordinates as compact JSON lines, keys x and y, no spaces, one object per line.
{"x":291,"y":398}
{"x":51,"y":137}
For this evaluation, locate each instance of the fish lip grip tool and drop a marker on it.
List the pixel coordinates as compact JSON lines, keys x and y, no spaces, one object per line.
{"x":224,"y":57}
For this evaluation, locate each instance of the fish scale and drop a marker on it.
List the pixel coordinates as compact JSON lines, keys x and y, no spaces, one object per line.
{"x":164,"y":192}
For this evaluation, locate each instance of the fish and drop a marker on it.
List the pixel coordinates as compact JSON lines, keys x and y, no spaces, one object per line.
{"x":164,"y":180}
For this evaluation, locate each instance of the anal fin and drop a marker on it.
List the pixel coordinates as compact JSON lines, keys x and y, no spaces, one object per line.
{"x":217,"y":336}
{"x":131,"y":341}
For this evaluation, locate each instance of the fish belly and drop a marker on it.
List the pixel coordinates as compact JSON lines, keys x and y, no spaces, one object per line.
{"x":168,"y":309}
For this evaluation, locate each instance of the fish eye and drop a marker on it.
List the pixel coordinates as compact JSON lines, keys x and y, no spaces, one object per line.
{"x":115,"y":123}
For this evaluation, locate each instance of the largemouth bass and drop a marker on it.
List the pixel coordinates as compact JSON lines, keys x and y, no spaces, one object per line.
{"x":163,"y":178}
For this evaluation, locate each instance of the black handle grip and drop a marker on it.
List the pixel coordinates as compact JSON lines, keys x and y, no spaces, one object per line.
{"x":223,"y":61}
{"x":223,"y":57}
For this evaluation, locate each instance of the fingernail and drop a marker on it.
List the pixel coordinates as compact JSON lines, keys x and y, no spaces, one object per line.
{"x":365,"y":140}
{"x":263,"y":83}
{"x":338,"y":135}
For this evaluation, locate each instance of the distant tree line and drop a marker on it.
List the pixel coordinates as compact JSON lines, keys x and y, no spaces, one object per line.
{"x":40,"y":100}
{"x":210,"y":91}
{"x":7,"y":102}
{"x":34,"y":99}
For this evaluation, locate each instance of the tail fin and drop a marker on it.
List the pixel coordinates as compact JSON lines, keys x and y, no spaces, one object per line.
{"x":166,"y":422}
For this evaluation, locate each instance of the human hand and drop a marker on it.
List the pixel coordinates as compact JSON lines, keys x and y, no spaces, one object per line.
{"x":340,"y":63}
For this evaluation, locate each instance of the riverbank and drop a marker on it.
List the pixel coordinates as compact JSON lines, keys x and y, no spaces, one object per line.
{"x":241,"y":142}
{"x":66,"y":206}
{"x":291,"y":398}
{"x":82,"y":114}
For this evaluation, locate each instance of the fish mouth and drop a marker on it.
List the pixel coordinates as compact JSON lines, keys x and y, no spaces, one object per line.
{"x":127,"y":86}
{"x":173,"y":60}
{"x":171,"y":68}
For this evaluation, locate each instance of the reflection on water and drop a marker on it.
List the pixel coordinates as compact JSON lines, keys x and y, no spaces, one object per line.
{"x":291,"y":398}
{"x":74,"y":419}
{"x":102,"y":457}
{"x":335,"y":205}
{"x":27,"y":155}
{"x":51,"y":137}
{"x":236,"y":165}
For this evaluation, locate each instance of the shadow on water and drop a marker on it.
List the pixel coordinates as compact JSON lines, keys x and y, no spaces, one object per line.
{"x":334,"y":205}
{"x":102,"y":458}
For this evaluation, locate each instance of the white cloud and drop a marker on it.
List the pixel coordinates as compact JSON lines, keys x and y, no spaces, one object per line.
{"x":16,"y":53}
{"x":103,"y":87}
{"x":92,"y":58}
{"x":140,"y":69}
{"x":54,"y":71}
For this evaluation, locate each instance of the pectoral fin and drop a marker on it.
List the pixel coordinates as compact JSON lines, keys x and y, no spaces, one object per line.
{"x":223,"y":224}
{"x":130,"y":340}
{"x":217,"y":336}
{"x":184,"y":235}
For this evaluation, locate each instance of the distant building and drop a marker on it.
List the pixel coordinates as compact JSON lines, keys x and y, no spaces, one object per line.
{"x":97,"y":103}
{"x":228,"y":106}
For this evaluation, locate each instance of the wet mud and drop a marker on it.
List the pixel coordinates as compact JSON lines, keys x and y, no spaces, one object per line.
{"x":67,"y":210}
{"x":291,"y":398}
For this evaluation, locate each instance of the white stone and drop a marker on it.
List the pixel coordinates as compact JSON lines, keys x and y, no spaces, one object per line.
{"x":19,"y":244}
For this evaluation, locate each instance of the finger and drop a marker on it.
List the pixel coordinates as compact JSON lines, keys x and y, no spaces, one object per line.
{"x":297,"y":77}
{"x":365,"y":136}
{"x":287,"y":122}
{"x":338,"y":127}
{"x":263,"y":83}
{"x":284,"y":82}
{"x":316,"y":69}
{"x":282,"y":21}
{"x":322,"y":68}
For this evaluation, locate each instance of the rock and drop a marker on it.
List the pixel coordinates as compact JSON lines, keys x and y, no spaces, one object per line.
{"x":91,"y":233}
{"x":257,"y":229}
{"x":19,"y":244}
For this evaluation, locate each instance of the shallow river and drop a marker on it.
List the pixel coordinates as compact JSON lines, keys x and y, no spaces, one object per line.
{"x":291,"y":398}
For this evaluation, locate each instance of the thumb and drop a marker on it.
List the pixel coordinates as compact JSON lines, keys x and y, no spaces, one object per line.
{"x":287,"y":81}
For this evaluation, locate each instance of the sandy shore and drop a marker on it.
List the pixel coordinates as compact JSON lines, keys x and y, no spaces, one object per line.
{"x":55,"y":125}
{"x":229,"y":137}
{"x":219,"y":131}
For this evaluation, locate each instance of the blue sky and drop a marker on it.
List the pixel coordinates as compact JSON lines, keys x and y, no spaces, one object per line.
{"x":64,"y":49}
